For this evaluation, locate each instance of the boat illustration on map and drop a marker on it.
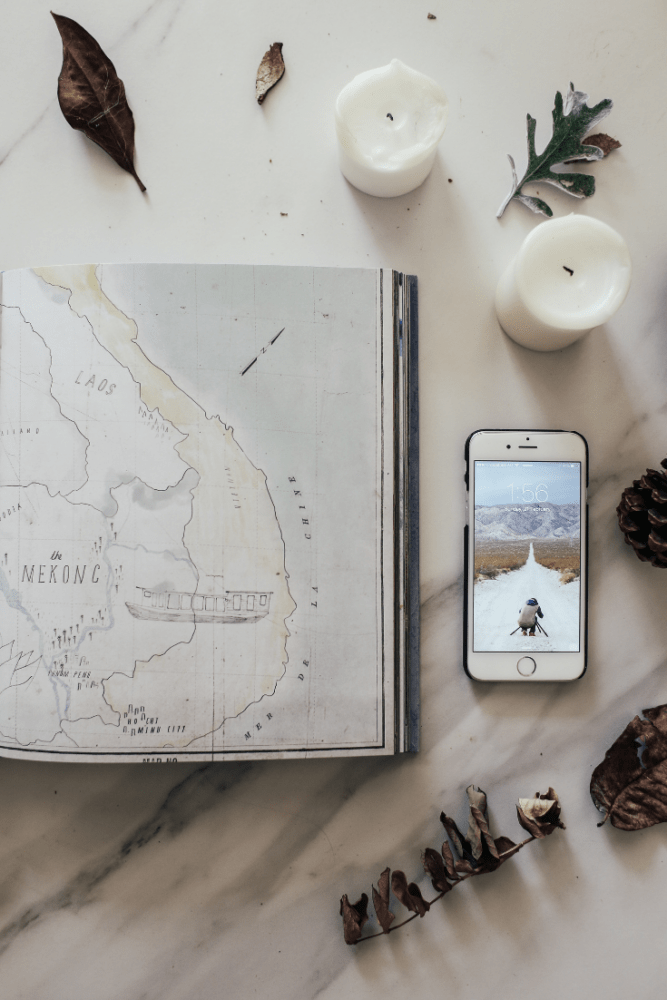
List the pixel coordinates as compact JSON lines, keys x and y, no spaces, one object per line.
{"x":230,"y":608}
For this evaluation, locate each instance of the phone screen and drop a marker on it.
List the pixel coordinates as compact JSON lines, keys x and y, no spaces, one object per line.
{"x":527,"y":548}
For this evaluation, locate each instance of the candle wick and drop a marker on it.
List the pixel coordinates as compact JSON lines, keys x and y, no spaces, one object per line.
{"x":390,"y":116}
{"x":568,"y":269}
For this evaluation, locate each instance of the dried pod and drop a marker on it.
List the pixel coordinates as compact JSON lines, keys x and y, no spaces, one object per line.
{"x":642,"y":516}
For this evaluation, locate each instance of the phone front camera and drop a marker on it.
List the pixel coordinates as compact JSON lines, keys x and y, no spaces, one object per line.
{"x":509,"y":445}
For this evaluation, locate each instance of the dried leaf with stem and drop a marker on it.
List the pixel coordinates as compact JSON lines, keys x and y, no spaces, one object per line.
{"x":270,"y":71}
{"x":92,"y":96}
{"x":630,"y":785}
{"x":572,"y":121}
{"x":477,"y":853}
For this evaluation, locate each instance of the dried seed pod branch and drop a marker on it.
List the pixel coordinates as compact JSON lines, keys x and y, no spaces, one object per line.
{"x":475,"y":854}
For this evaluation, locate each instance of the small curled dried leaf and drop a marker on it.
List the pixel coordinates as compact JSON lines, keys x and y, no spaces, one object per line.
{"x":448,"y":858}
{"x":506,"y":847}
{"x":409,"y":895}
{"x":381,"y":902}
{"x":434,"y":866}
{"x":540,"y":816}
{"x":354,"y":917}
{"x":270,"y":71}
{"x":454,"y":834}
{"x":486,"y":842}
{"x":603,"y":141}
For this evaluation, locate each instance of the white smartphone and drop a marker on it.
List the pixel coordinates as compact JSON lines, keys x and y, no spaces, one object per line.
{"x":526,"y":555}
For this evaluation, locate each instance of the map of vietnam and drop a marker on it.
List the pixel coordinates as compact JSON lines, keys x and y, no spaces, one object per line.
{"x":233,"y":537}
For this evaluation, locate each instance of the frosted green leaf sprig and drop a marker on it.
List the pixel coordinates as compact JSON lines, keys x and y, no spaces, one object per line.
{"x":573,"y":120}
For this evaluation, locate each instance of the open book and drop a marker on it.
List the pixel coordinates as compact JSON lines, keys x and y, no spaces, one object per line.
{"x":208,"y":512}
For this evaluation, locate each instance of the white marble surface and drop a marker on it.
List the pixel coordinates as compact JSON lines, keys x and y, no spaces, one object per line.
{"x":176,"y":882}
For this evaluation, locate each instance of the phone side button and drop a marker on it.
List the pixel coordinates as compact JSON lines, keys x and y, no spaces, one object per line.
{"x":526,"y":666}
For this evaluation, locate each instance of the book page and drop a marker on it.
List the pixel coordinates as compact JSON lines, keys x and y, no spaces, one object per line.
{"x":195,"y":513}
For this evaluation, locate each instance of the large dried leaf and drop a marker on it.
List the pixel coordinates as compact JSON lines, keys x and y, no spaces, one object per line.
{"x":540,"y":816}
{"x":409,"y":895}
{"x":630,"y":785}
{"x":354,"y":917}
{"x":92,"y":96}
{"x":572,"y":121}
{"x":270,"y":71}
{"x":381,"y":902}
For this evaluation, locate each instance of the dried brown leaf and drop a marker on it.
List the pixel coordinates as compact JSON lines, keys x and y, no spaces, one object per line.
{"x":270,"y":71}
{"x":448,"y":858}
{"x":381,"y":902}
{"x":454,"y":834}
{"x":506,"y":848}
{"x":603,"y":142}
{"x":487,"y":844}
{"x":630,"y":785}
{"x":477,"y":801}
{"x":92,"y":96}
{"x":354,"y":917}
{"x":409,"y":895}
{"x":540,"y":816}
{"x":434,"y":866}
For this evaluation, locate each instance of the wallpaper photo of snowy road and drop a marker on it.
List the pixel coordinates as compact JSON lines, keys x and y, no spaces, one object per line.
{"x":527,"y":548}
{"x":498,"y":602}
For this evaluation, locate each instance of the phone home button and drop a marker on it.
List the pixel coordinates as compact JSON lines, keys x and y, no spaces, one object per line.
{"x":526,"y":666}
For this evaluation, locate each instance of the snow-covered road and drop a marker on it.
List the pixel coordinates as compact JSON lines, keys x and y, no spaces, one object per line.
{"x":498,"y":602}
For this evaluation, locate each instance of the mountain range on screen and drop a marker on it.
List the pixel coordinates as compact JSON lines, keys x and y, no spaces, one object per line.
{"x":537,"y":520}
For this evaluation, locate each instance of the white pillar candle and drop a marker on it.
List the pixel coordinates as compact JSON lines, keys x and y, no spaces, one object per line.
{"x":570,"y":275}
{"x":389,"y":122}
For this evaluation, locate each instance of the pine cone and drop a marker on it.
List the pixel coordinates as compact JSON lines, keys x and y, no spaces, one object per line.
{"x":642,"y":516}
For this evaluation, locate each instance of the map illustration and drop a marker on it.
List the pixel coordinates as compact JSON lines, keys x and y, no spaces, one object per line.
{"x":178,"y":467}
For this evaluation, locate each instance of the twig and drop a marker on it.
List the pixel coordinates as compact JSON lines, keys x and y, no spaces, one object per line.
{"x":430,"y":902}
